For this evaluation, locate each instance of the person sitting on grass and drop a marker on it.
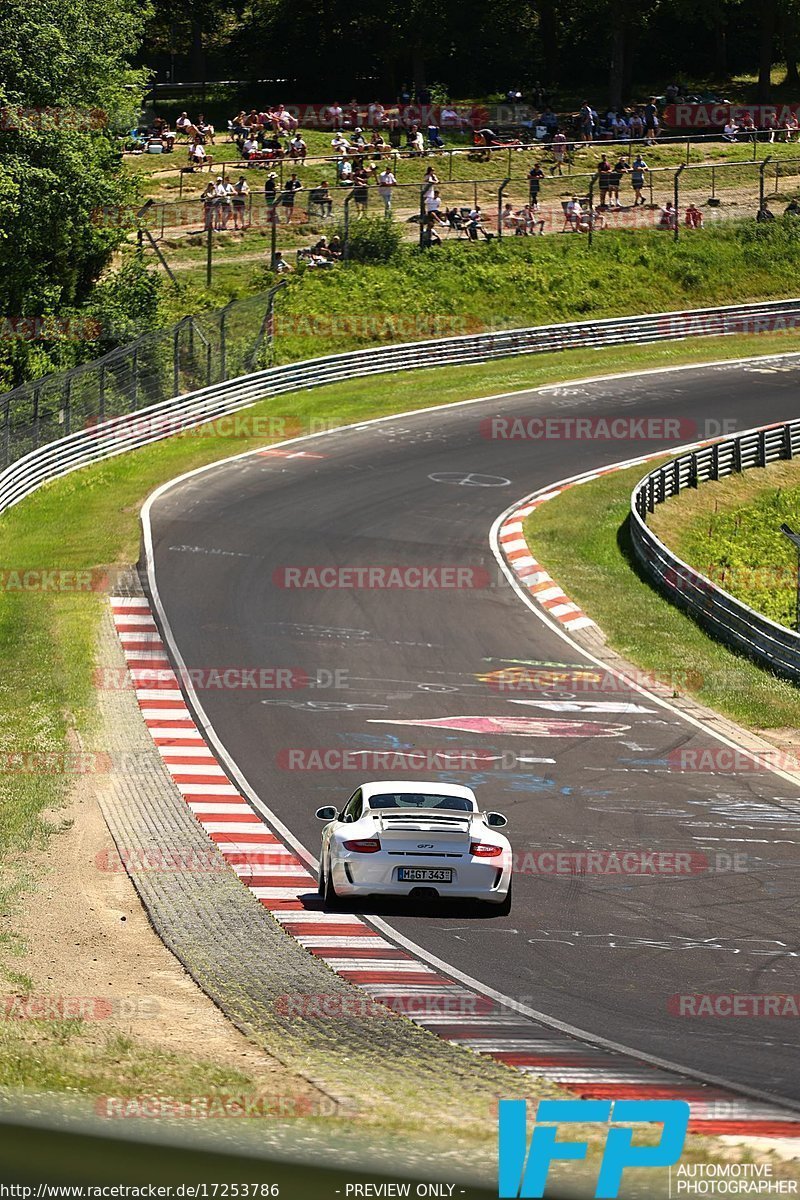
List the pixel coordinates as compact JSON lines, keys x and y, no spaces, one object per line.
{"x":693,"y":218}
{"x":279,"y":264}
{"x":668,"y":218}
{"x":531,"y":223}
{"x":731,"y":131}
{"x":249,"y":146}
{"x":792,"y":208}
{"x":297,"y":149}
{"x":378,"y":146}
{"x":335,"y":247}
{"x":764,"y":214}
{"x":429,"y":235}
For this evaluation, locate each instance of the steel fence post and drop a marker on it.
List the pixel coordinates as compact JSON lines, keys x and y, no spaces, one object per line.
{"x":761,"y":170}
{"x":676,"y":192}
{"x":500,"y":191}
{"x":346,"y":245}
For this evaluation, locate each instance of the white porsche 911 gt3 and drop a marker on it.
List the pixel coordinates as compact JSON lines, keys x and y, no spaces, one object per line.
{"x":417,"y":840}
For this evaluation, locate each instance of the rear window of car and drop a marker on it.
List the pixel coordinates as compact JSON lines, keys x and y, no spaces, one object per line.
{"x":420,"y":800}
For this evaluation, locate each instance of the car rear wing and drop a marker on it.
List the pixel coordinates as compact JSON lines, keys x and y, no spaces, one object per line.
{"x":424,"y":820}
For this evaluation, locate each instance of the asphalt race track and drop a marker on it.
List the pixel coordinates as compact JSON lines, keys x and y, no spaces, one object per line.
{"x":602,"y":952}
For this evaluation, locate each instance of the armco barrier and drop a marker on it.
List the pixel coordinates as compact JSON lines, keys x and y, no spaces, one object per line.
{"x":151,"y":424}
{"x":739,"y":626}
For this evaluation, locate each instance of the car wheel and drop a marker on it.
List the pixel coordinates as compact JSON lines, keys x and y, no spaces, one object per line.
{"x":505,"y":908}
{"x":329,"y":895}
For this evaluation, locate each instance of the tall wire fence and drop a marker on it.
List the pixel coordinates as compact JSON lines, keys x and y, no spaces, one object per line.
{"x":195,"y":352}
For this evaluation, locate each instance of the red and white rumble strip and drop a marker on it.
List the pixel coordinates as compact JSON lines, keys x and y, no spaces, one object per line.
{"x":354,"y":950}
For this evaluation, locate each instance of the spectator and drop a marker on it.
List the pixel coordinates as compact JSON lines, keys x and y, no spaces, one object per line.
{"x":241,"y":191}
{"x":340,"y":144}
{"x":183,"y":124}
{"x":429,"y":235}
{"x":637,"y":179}
{"x":335,"y":247}
{"x":361,"y":191}
{"x":731,"y":131}
{"x":764,"y":213}
{"x":270,"y":189}
{"x":378,"y":145}
{"x":320,"y":198}
{"x":510,"y":219}
{"x":433,"y":205}
{"x":535,"y":177}
{"x":573,"y":213}
{"x":530,"y":223}
{"x":208,"y":198}
{"x":549,"y":121}
{"x":475,"y":224}
{"x":386,"y":185}
{"x":335,"y":115}
{"x":430,"y":176}
{"x":249,"y":146}
{"x":297,"y":149}
{"x":224,"y":206}
{"x":375,"y":114}
{"x":604,"y":179}
{"x":415,"y":143}
{"x":559,"y":151}
{"x":205,"y":130}
{"x":668,"y":218}
{"x":636,"y":124}
{"x":792,"y":208}
{"x":790,"y":126}
{"x":586,"y":122}
{"x":693,"y":218}
{"x":344,"y":172}
{"x":279,"y":264}
{"x":619,"y":169}
{"x":237,"y":128}
{"x":651,"y":121}
{"x":290,"y":189}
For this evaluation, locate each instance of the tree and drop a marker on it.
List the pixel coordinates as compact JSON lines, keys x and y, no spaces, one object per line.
{"x":67,"y":87}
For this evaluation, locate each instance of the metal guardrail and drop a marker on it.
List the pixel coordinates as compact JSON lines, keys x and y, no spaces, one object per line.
{"x":730,"y":620}
{"x":107,"y":438}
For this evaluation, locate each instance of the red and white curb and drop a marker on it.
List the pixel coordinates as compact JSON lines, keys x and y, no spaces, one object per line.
{"x":531,"y":574}
{"x":355,"y":951}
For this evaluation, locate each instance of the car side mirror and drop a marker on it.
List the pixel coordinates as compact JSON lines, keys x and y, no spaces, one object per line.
{"x":328,"y":813}
{"x":496,"y":820}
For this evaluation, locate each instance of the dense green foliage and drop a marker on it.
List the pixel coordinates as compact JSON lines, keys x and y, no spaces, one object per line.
{"x":309,"y":51}
{"x":65,"y":87}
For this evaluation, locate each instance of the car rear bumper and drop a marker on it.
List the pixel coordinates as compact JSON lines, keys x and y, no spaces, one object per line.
{"x":471,"y":880}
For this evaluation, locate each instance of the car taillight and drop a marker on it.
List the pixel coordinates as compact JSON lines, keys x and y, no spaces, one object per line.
{"x":363,"y":845}
{"x":485,"y":850}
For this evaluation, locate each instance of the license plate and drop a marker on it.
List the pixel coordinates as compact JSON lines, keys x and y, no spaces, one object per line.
{"x":425,"y":875}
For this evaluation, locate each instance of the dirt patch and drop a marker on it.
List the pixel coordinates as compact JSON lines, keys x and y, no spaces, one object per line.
{"x":87,"y":936}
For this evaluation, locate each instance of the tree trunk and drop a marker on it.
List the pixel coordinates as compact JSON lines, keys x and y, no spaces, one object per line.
{"x":616,"y":75}
{"x":766,"y":48}
{"x":548,"y":33}
{"x":791,"y":49}
{"x":720,"y":42}
{"x":197,"y":61}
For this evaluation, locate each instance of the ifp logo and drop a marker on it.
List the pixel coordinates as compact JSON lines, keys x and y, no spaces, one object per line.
{"x":527,"y":1179}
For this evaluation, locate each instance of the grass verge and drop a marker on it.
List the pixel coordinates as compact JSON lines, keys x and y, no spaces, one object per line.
{"x":596,"y":568}
{"x":730,"y":531}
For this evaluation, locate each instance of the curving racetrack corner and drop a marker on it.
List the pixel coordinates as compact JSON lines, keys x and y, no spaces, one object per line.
{"x":596,"y":954}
